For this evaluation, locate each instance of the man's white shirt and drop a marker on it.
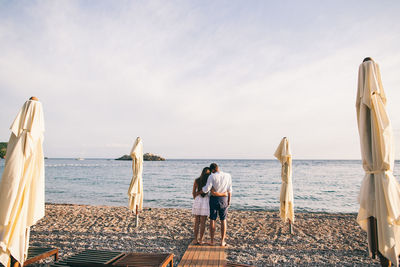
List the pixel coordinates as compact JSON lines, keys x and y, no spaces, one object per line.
{"x":221,"y":181}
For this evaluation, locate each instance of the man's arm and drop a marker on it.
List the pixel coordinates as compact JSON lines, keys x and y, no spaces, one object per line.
{"x":229,"y":198}
{"x":208,"y":185}
{"x":214,"y":193}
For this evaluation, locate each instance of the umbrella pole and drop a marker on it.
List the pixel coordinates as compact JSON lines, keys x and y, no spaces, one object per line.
{"x":137,"y":217}
{"x":373,"y":241}
{"x":372,"y":237}
{"x":290,"y":227}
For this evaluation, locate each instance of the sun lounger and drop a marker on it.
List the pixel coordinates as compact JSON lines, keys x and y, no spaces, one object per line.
{"x":101,"y":258}
{"x":145,"y":259}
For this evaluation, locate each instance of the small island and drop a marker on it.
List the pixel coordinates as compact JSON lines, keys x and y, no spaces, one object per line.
{"x":146,"y":157}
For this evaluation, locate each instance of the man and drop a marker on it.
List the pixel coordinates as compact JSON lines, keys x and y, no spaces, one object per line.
{"x":222,"y":183}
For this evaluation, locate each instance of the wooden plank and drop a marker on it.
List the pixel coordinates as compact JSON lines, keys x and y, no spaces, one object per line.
{"x":115,"y":258}
{"x":195,"y":251}
{"x":59,"y":264}
{"x":210,"y":253}
{"x":36,"y":254}
{"x":206,"y":256}
{"x":197,"y":256}
{"x":222,"y":257}
{"x":214,"y":257}
{"x":192,"y":249}
{"x":209,"y":258}
{"x":169,"y":260}
{"x":217,"y":259}
{"x":185,"y":258}
{"x":144,"y":259}
{"x":85,"y":264}
{"x":201,"y":255}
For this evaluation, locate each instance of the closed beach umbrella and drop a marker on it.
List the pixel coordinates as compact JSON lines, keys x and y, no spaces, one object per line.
{"x":380,"y":192}
{"x":22,"y":183}
{"x":284,"y":155}
{"x":135,"y":191}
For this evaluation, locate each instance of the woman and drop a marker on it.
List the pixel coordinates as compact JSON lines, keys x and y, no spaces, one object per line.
{"x":201,"y":205}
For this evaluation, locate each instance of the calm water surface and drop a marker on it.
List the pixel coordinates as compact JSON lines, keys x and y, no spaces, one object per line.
{"x":319,"y":185}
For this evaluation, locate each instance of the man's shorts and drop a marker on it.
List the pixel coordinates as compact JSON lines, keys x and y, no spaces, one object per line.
{"x":218,"y":206}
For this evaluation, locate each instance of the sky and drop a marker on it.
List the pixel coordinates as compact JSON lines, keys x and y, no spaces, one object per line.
{"x":197,"y":79}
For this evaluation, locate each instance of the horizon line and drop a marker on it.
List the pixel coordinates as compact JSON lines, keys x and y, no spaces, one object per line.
{"x":166,"y":159}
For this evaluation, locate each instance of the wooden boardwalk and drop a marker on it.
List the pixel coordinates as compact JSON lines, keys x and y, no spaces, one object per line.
{"x":203,"y":255}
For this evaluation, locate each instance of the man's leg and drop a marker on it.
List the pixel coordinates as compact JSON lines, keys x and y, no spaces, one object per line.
{"x":213,"y":217}
{"x":212,"y":231}
{"x":223,"y":232}
{"x":223,"y":212}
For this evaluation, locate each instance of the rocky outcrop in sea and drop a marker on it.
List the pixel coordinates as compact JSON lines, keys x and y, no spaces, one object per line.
{"x":146,"y":157}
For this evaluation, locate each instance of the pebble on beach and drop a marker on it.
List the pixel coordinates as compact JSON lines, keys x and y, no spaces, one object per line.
{"x":259,"y":238}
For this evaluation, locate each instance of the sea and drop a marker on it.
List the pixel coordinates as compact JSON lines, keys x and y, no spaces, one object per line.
{"x":318,"y":185}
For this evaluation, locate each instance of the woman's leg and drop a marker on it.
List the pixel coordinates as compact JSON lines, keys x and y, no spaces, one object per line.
{"x":202,"y":228}
{"x":196,"y":227}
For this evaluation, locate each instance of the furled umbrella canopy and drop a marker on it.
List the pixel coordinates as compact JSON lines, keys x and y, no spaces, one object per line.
{"x":135,"y":191}
{"x":284,"y":155}
{"x":22,"y":183}
{"x":380,"y":192}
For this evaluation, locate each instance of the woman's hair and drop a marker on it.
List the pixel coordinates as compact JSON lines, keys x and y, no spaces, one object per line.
{"x":202,"y":180}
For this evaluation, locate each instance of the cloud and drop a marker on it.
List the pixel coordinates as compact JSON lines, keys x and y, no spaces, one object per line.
{"x":209,"y":79}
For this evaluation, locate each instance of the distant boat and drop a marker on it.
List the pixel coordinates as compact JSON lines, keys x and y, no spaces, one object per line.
{"x":80,"y":159}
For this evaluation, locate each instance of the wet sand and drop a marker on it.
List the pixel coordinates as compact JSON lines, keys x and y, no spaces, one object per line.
{"x":254,"y":237}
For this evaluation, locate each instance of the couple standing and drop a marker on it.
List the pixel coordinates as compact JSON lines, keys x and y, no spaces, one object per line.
{"x":212,"y":193}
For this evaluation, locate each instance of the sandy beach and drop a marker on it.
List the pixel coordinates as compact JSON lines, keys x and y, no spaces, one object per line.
{"x":254,"y":237}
